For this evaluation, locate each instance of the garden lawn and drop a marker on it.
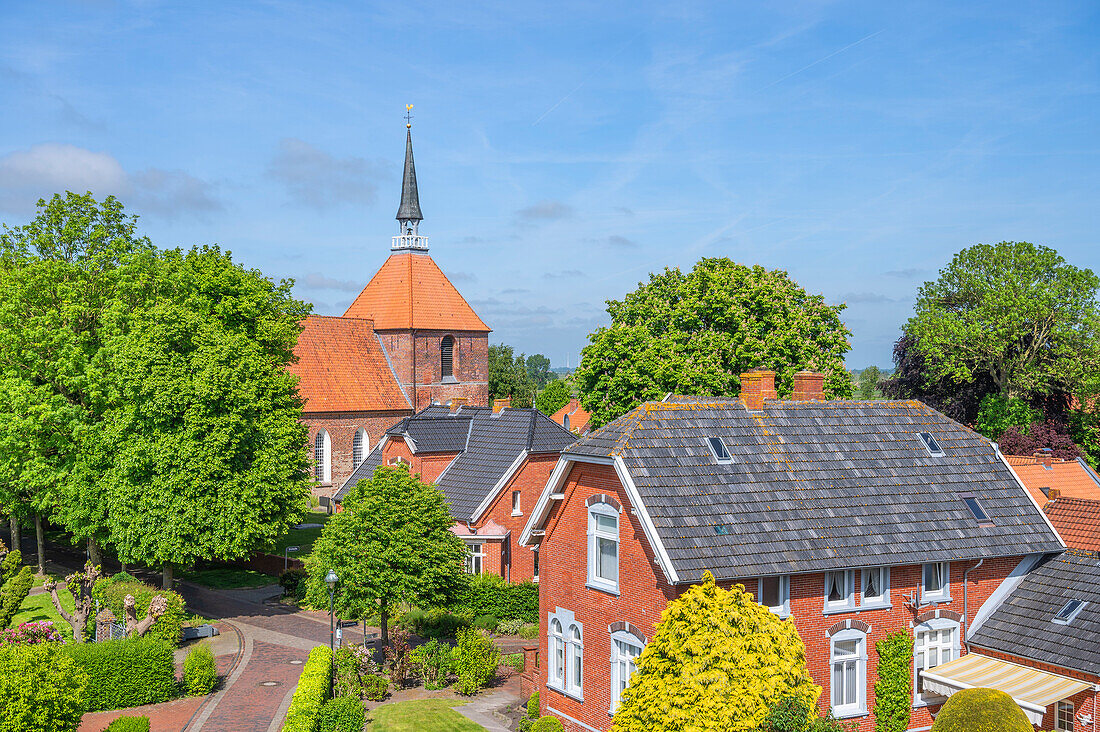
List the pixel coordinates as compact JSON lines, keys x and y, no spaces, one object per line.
{"x":303,"y":538}
{"x":228,"y":578}
{"x":40,"y":607}
{"x":435,"y":715}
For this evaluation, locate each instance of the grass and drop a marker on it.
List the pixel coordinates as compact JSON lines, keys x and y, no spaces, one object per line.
{"x":228,"y":578}
{"x":303,"y":538}
{"x":40,"y":607}
{"x":435,"y":715}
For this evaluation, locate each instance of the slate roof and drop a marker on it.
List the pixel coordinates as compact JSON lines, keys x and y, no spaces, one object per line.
{"x":410,"y":291}
{"x":1023,"y":625}
{"x":1074,"y":478}
{"x":816,"y":486}
{"x":487,"y":444}
{"x":1078,"y":522}
{"x":342,"y":367}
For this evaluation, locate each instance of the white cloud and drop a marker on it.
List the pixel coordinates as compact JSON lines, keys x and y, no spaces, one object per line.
{"x":316,"y":179}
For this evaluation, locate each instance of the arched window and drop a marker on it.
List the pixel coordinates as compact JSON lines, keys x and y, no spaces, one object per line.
{"x":357,"y":443}
{"x":557,"y":655}
{"x":575,"y":656}
{"x":565,"y":422}
{"x":935,"y":641}
{"x":848,"y":673}
{"x":322,"y":457}
{"x":447,"y":356}
{"x":625,"y":649}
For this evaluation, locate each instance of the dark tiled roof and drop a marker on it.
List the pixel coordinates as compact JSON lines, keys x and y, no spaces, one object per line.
{"x":1023,"y":624}
{"x":487,"y":444}
{"x":816,"y":485}
{"x":1078,"y":521}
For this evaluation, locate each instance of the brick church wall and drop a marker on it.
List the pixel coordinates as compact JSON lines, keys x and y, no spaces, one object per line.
{"x":470,"y":365}
{"x":341,"y":428}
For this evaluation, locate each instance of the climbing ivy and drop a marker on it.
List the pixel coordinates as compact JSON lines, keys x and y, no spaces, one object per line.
{"x":894,"y":688}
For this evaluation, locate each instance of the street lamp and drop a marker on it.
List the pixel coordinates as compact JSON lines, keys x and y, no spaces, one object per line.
{"x":286,"y":555}
{"x":331,"y":579}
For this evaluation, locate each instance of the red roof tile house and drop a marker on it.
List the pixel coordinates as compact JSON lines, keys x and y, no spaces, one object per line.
{"x":573,"y":417}
{"x":1047,"y":477}
{"x":1077,"y":521}
{"x":491,"y":466}
{"x":853,"y":519}
{"x":408,"y":340}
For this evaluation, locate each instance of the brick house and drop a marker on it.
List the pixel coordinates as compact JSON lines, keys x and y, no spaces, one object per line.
{"x":1047,"y":477}
{"x":408,"y":340}
{"x":853,"y":519}
{"x":491,"y":465}
{"x":573,"y":417}
{"x":1077,"y":521}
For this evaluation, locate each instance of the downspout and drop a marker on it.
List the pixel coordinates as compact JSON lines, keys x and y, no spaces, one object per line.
{"x":966,"y":603}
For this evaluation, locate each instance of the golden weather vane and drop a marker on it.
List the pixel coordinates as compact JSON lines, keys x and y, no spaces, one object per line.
{"x":408,"y":115}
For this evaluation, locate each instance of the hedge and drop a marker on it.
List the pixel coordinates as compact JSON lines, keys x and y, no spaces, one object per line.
{"x":490,"y":594}
{"x":200,"y":671}
{"x":129,"y":724}
{"x":981,"y":710}
{"x":548,"y":724}
{"x":345,"y":714}
{"x":313,"y":689}
{"x":41,"y":689}
{"x":126,"y":673}
{"x":112,"y":591}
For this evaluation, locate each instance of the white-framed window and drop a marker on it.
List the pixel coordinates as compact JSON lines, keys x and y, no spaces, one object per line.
{"x":625,"y":649}
{"x":848,"y":673}
{"x":1063,"y":716}
{"x":603,"y":547}
{"x":840,"y":591}
{"x":774,"y":593}
{"x":322,"y":457}
{"x":876,"y":587}
{"x":357,"y":444}
{"x":516,"y":509}
{"x":574,"y":681}
{"x":565,"y":672}
{"x":535,"y":552}
{"x":934,"y":642}
{"x":718,"y":450}
{"x":935,"y":582}
{"x":474,"y":558}
{"x":556,"y":676}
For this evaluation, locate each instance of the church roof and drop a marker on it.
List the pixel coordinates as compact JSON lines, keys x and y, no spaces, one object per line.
{"x":410,"y":291}
{"x":409,"y":210}
{"x":342,"y":367}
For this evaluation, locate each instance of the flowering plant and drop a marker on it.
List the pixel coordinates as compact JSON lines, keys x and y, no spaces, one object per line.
{"x":30,"y":633}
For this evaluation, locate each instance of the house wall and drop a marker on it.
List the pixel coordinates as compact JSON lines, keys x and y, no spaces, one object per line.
{"x":470,"y":365}
{"x":644,"y":592}
{"x":341,"y":427}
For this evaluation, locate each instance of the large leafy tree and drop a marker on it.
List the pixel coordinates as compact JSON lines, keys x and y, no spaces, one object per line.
{"x":717,"y":661}
{"x":538,"y":370}
{"x":912,"y":379}
{"x":1014,"y":312}
{"x":555,"y":396}
{"x":392,"y":543}
{"x":695,"y":333}
{"x":508,"y":376}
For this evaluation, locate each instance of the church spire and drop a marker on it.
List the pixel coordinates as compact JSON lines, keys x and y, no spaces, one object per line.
{"x":408,"y":213}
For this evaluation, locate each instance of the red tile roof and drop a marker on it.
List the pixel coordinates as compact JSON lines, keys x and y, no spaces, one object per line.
{"x":1072,"y":478}
{"x":578,"y":418}
{"x":342,"y":368}
{"x":410,"y":291}
{"x":1077,"y":520}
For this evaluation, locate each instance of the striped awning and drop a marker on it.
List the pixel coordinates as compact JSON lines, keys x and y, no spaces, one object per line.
{"x":1032,"y":689}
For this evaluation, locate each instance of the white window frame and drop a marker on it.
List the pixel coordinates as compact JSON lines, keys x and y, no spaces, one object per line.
{"x":555,"y":676}
{"x":1064,"y":705}
{"x":884,"y":578}
{"x":574,"y":661}
{"x":517,"y":509}
{"x":935,"y":624}
{"x":783,"y":609}
{"x":630,"y":660}
{"x":858,"y":662}
{"x":535,"y":567}
{"x":361,"y":436}
{"x":848,"y":602}
{"x":595,"y":534}
{"x":475,"y":558}
{"x":565,"y":651}
{"x":941,"y":595}
{"x":721,"y":460}
{"x":322,"y":470}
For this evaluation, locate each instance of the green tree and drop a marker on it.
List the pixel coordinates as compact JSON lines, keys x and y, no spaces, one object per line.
{"x":869,"y":379}
{"x":391,"y":544}
{"x":508,"y":376}
{"x":695,"y":333}
{"x":555,"y":396}
{"x":1016,"y":312}
{"x":41,"y":689}
{"x":538,"y":370}
{"x":981,"y":710}
{"x":716,"y":662}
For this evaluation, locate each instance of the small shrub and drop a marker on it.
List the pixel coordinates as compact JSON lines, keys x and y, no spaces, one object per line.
{"x":547,"y":724}
{"x":475,"y":661}
{"x":126,"y":673}
{"x":981,"y":710}
{"x":514,"y":661}
{"x":343,"y":714}
{"x":433,"y":662}
{"x":293,"y":582}
{"x":397,"y":657}
{"x":829,"y":723}
{"x":433,"y":623}
{"x":788,"y":714}
{"x":30,"y":633}
{"x":525,"y":724}
{"x":510,"y":627}
{"x":129,"y":724}
{"x":112,"y":591}
{"x":486,"y":622}
{"x":353,"y":664}
{"x":530,"y":631}
{"x":313,"y":688}
{"x":200,"y":671}
{"x":375,"y":688}
{"x":533,"y":706}
{"x":13,"y":592}
{"x":490,"y":594}
{"x":41,"y":689}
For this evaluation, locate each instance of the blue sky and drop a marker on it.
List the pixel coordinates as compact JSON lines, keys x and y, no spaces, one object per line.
{"x":565,"y":150}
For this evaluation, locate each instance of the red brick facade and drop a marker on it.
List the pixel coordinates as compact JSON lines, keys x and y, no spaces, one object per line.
{"x":644,"y":592}
{"x":341,"y":428}
{"x":419,"y":370}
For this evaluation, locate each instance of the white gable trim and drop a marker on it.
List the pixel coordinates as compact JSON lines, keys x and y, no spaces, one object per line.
{"x":1002,"y":592}
{"x":496,"y":489}
{"x":542,"y":507}
{"x":647,"y":522}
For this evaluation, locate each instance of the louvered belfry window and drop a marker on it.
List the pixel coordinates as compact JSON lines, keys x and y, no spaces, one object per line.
{"x":446,"y":356}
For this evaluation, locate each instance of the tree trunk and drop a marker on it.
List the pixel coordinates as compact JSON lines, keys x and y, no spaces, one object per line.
{"x":16,"y":535}
{"x":167,"y":583}
{"x":95,"y":553}
{"x":40,"y":537}
{"x":385,"y":622}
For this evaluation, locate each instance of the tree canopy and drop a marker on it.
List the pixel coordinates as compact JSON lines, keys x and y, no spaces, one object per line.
{"x":555,"y":396}
{"x":869,"y":379}
{"x":695,"y":333}
{"x":717,"y":661}
{"x":509,"y":377}
{"x":390,"y":544}
{"x":538,"y":370}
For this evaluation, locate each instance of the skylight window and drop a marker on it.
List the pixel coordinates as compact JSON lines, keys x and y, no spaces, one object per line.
{"x":976,"y":510}
{"x":931,"y":444}
{"x":718,"y":448}
{"x":1069,"y":611}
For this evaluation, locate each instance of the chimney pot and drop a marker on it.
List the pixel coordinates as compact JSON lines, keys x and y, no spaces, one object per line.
{"x":499,"y":404}
{"x":756,"y":386}
{"x":1054,"y":494}
{"x":809,"y":386}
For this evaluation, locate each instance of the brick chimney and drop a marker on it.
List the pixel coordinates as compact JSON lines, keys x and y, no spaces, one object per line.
{"x":457,"y":403}
{"x":1044,"y":457}
{"x":808,"y":387}
{"x":499,"y":404}
{"x":1054,"y":493}
{"x":756,"y":386}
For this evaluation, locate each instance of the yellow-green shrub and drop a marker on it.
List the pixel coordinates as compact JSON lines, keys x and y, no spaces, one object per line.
{"x":41,"y":689}
{"x":313,"y":689}
{"x":716,"y":661}
{"x":981,"y":710}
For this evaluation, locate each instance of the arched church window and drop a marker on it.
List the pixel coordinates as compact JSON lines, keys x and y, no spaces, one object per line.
{"x":446,"y":356}
{"x":357,"y":443}
{"x":322,"y":461}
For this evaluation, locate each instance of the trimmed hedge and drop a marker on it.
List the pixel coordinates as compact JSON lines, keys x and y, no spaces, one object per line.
{"x":41,"y":689}
{"x":200,"y":671}
{"x":436,"y":623}
{"x":981,"y":710}
{"x":126,"y":673}
{"x":111,"y":591}
{"x":548,"y":724}
{"x":490,"y":594}
{"x":533,"y":706}
{"x":129,"y":724}
{"x":345,"y":714}
{"x":313,"y":689}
